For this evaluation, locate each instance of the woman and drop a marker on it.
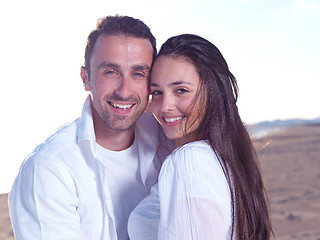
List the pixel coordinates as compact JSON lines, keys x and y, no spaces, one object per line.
{"x":210,"y":186}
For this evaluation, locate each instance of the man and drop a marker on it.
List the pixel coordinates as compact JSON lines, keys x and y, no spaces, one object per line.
{"x":84,"y":180}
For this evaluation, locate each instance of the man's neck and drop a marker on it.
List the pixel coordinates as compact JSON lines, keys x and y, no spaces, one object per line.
{"x":114,"y":140}
{"x":110,"y":139}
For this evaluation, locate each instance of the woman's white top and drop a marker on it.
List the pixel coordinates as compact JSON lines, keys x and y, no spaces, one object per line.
{"x":191,"y":200}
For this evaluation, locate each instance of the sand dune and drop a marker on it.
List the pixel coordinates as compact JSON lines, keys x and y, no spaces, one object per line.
{"x":290,"y":163}
{"x":5,"y":224}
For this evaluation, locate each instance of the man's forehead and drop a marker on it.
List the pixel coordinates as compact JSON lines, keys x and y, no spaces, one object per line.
{"x":114,"y":43}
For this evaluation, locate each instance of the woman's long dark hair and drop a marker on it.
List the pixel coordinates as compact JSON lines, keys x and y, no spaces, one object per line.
{"x":228,"y":136}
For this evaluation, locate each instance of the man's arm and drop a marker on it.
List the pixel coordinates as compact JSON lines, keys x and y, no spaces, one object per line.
{"x":43,"y":202}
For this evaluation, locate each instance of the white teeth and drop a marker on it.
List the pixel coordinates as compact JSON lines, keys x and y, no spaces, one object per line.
{"x":121,"y":106}
{"x":172,"y":119}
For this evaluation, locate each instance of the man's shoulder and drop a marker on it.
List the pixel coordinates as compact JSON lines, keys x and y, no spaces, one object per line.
{"x":61,"y":140}
{"x":51,"y":154}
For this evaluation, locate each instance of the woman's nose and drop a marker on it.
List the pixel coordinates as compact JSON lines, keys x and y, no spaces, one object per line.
{"x":167,"y":103}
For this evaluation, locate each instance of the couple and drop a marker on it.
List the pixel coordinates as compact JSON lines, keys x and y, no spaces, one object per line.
{"x":98,"y":177}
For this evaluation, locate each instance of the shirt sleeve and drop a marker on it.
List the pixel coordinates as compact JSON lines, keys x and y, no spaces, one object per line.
{"x":43,"y":202}
{"x":194,"y":196}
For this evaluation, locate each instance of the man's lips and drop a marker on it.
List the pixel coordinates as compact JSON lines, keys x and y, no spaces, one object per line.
{"x":121,"y":106}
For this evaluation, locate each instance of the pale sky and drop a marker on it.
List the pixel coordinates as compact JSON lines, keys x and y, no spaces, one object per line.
{"x":271,"y":46}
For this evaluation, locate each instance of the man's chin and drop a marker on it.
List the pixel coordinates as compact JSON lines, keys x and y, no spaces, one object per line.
{"x":121,"y":124}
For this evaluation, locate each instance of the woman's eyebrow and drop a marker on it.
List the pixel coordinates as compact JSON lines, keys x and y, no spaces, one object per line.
{"x":178,"y":83}
{"x":172,"y":84}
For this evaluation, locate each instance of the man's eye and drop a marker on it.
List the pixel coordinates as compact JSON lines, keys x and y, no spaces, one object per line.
{"x":110,"y":72}
{"x":138,"y":74}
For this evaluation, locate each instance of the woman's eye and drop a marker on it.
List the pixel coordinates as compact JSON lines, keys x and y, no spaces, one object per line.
{"x":182,"y":90}
{"x":155,"y":92}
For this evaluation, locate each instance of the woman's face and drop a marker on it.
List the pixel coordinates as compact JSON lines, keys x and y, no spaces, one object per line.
{"x":174,"y":87}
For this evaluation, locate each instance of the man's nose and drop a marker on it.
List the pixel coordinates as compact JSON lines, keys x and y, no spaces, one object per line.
{"x":125,"y":87}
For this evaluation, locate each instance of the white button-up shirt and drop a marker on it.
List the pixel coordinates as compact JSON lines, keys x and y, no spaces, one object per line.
{"x":61,"y":190}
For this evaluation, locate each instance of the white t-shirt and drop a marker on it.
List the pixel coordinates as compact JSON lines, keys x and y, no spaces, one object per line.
{"x":192,"y":196}
{"x":125,"y":184}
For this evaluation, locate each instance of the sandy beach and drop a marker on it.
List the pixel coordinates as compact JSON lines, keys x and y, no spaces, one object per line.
{"x":290,"y":164}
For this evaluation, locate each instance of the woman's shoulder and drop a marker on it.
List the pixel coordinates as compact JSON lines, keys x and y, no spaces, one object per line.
{"x":195,"y":169}
{"x":196,"y":146}
{"x":193,"y":149}
{"x":191,"y":156}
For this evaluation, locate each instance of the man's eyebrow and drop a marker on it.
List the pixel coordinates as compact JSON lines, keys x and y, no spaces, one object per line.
{"x":141,"y":67}
{"x":108,"y":65}
{"x":138,"y":67}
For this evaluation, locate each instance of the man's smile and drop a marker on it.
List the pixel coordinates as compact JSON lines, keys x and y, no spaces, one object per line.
{"x":121,"y":106}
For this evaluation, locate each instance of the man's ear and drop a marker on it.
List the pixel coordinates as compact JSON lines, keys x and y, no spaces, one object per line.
{"x":85,"y":78}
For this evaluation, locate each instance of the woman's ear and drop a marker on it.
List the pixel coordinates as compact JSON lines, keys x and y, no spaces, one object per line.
{"x":85,"y":78}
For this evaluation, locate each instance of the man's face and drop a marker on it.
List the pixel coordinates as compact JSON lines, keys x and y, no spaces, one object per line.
{"x":118,"y":80}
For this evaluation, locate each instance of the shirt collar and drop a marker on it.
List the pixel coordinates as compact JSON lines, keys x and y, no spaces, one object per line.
{"x":86,"y":129}
{"x":145,"y":138}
